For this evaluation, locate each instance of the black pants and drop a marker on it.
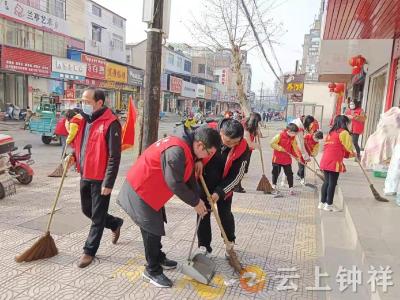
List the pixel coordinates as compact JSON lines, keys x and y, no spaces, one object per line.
{"x":276,"y":170}
{"x":153,"y":253}
{"x":95,"y":207}
{"x":301,"y":171}
{"x":355,"y":138}
{"x":228,"y":223}
{"x":328,"y":188}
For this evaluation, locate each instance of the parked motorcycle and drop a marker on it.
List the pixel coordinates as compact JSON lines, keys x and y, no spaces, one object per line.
{"x":18,"y":165}
{"x":13,"y":112}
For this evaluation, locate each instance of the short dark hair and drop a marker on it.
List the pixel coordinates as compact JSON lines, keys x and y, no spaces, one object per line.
{"x":98,"y":94}
{"x":292,"y":127}
{"x":319,"y":135}
{"x":70,"y":113}
{"x":308,"y":121}
{"x":233,"y":129}
{"x":208,"y":136}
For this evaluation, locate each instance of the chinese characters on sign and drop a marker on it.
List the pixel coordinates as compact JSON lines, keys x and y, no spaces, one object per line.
{"x":175,"y":85}
{"x":25,"y":61}
{"x":96,"y":67}
{"x":19,"y":11}
{"x":116,"y":73}
{"x":68,"y":69}
{"x":135,"y":77}
{"x":201,"y":91}
{"x":188,"y":89}
{"x":294,"y":87}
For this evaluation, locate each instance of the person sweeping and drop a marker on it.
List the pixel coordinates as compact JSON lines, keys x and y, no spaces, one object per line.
{"x":338,"y":146}
{"x":222,"y":172}
{"x":311,"y":144}
{"x":164,"y":169}
{"x":285,"y":146}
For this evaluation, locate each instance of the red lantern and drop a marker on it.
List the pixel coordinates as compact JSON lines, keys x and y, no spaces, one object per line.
{"x":357,"y":63}
{"x":339,"y":88}
{"x":331,"y":87}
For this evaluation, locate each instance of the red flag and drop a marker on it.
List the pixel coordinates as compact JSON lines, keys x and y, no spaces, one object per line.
{"x":128,"y":131}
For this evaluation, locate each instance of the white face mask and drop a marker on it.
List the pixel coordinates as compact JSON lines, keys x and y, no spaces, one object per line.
{"x":352,"y":106}
{"x":87,"y":109}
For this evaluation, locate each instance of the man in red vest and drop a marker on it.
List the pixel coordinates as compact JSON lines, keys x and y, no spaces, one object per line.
{"x":164,"y":169}
{"x":97,"y":147}
{"x":222,"y":173}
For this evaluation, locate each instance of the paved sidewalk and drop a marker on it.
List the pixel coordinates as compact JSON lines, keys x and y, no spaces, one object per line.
{"x":272,"y":234}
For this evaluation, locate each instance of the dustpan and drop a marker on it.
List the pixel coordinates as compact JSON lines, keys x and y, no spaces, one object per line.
{"x":199,"y":267}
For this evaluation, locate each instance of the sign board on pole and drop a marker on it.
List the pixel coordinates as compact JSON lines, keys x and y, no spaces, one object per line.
{"x":148,"y":12}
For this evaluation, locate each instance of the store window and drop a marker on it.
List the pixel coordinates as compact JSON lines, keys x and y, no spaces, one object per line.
{"x":188,"y":66}
{"x":96,"y":33}
{"x":96,"y":10}
{"x":117,"y":42}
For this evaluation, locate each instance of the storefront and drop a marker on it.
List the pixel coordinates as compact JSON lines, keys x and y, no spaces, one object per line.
{"x":201,"y":95}
{"x":188,"y":96}
{"x":16,"y":68}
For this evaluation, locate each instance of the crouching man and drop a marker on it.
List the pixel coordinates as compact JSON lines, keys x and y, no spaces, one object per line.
{"x":164,"y":169}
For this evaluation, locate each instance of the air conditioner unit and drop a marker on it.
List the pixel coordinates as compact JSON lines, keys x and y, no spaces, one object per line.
{"x":94,"y":43}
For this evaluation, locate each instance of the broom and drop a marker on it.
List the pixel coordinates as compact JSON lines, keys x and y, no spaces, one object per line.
{"x":371,"y":186}
{"x":60,"y":169}
{"x":44,"y":247}
{"x":233,"y":259}
{"x":308,"y":167}
{"x":264,"y":185}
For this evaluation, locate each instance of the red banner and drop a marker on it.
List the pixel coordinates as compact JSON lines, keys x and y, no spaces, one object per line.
{"x":96,"y":67}
{"x":175,"y":85}
{"x":25,"y":61}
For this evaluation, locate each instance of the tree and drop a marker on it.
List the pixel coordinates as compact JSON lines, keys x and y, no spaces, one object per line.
{"x":239,"y":26}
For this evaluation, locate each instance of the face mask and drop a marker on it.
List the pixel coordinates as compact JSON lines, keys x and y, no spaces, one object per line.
{"x":87,"y":109}
{"x":352,"y":106}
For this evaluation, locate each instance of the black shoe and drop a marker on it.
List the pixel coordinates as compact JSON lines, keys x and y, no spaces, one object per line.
{"x":168,"y":264}
{"x":160,"y":281}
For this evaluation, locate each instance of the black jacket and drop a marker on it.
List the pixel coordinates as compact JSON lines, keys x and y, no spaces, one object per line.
{"x":113,"y":139}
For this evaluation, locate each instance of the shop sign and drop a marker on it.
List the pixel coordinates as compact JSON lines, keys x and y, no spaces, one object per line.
{"x":200,"y":91}
{"x":110,"y":85}
{"x":63,"y":68}
{"x":135,"y":77}
{"x":175,"y":85}
{"x":25,"y":61}
{"x":70,"y":94}
{"x":164,"y":82}
{"x":189,"y":89}
{"x":21,"y":12}
{"x":96,"y":67}
{"x":294,"y":87}
{"x":224,"y":77}
{"x":208,"y":94}
{"x":116,"y":73}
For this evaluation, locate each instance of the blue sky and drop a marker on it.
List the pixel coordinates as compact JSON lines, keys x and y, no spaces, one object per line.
{"x":296,"y":15}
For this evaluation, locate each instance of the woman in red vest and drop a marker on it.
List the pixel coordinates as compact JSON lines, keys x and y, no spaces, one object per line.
{"x":357,"y":116}
{"x":164,"y":169}
{"x":338,"y":145}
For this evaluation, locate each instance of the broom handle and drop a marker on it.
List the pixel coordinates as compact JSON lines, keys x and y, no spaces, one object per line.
{"x":316,"y":162}
{"x":194,"y":237}
{"x":308,"y":167}
{"x":57,"y":195}
{"x":365,"y":172}
{"x":261,"y":155}
{"x":211,"y":202}
{"x":64,"y":151}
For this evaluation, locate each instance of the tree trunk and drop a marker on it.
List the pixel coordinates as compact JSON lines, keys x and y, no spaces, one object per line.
{"x":237,"y":64}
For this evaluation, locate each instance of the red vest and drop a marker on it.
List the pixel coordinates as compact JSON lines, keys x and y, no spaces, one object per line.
{"x":60,"y":127}
{"x":314,"y":127}
{"x":309,"y":143}
{"x":146,"y":176}
{"x":213,"y":125}
{"x":334,"y":153}
{"x":282,"y":158}
{"x":357,"y":127}
{"x":96,"y":154}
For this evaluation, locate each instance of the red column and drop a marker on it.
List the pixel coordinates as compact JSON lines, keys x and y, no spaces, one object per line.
{"x":392,"y":80}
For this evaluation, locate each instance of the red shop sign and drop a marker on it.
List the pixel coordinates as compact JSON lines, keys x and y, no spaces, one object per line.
{"x":70,"y":94}
{"x":175,"y":85}
{"x":96,"y":67}
{"x":25,"y":61}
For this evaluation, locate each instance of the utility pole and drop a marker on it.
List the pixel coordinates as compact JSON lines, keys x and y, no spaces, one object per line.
{"x":152,"y":80}
{"x":261,"y":92}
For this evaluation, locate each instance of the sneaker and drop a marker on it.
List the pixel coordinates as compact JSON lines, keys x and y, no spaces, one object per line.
{"x":160,"y":281}
{"x":321,"y":205}
{"x":292,"y":193}
{"x":168,"y":264}
{"x":303,"y":182}
{"x":331,"y":208}
{"x":205,"y":250}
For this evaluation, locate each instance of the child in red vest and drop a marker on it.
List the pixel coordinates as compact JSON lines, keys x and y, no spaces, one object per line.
{"x":285,"y":146}
{"x":311,"y":145}
{"x":338,"y":145}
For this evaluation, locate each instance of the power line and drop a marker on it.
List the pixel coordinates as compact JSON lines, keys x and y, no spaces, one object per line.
{"x":258,"y":39}
{"x":268,"y":39}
